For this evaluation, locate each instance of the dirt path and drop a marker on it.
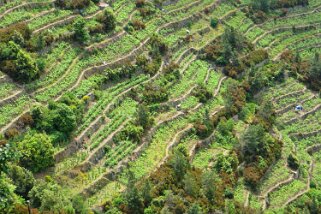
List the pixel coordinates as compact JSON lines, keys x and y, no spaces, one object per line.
{"x":292,"y":105}
{"x":64,"y":20}
{"x":294,"y":93}
{"x":104,"y":66}
{"x":171,"y":144}
{"x":61,"y":21}
{"x":73,"y":63}
{"x":105,"y":141}
{"x":13,"y":121}
{"x":23,"y":5}
{"x":247,"y":196}
{"x":282,"y":28}
{"x":217,"y":90}
{"x":116,"y":97}
{"x":11,"y":97}
{"x":302,"y":191}
{"x":123,"y":163}
{"x":303,"y":116}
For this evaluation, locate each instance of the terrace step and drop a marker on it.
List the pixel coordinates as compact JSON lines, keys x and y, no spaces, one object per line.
{"x":305,"y":134}
{"x":292,"y":106}
{"x":111,"y":174}
{"x":303,"y":116}
{"x":291,"y":94}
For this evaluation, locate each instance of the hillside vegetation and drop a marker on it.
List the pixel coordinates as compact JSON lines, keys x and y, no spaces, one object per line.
{"x":160,"y":106}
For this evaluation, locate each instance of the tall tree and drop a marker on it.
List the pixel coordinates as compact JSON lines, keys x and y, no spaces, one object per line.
{"x":144,"y":117}
{"x":132,"y":197}
{"x":22,"y":179}
{"x":36,"y":151}
{"x":263,"y":5}
{"x":7,"y":196}
{"x":81,"y":32}
{"x":50,"y":197}
{"x":108,"y":19}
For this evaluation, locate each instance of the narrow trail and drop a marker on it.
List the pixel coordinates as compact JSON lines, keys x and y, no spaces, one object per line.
{"x":13,"y":121}
{"x":228,"y":14}
{"x":251,"y":28}
{"x":282,"y":28}
{"x":191,"y":152}
{"x":104,"y":66}
{"x":247,"y":196}
{"x":104,"y":178}
{"x":288,"y":47}
{"x":93,"y":15}
{"x":303,"y":116}
{"x":208,"y":73}
{"x":290,"y":94}
{"x":105,"y":42}
{"x":288,"y":180}
{"x":116,"y":97}
{"x":43,"y":13}
{"x":302,"y":191}
{"x":108,"y":40}
{"x":290,"y":16}
{"x":133,"y":52}
{"x":292,"y":105}
{"x":119,"y":34}
{"x":79,"y":56}
{"x":64,"y":20}
{"x":23,"y":5}
{"x":104,"y":142}
{"x":171,"y":144}
{"x":11,"y":97}
{"x":218,"y":88}
{"x":304,"y":135}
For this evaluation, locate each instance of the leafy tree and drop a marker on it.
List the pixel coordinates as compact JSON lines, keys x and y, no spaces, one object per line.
{"x":314,"y":73}
{"x":27,"y":69}
{"x":227,"y":164}
{"x":81,"y":32}
{"x":64,"y":118}
{"x":18,"y":38}
{"x":158,"y":46}
{"x":36,"y":151}
{"x":108,"y":19}
{"x":190,"y":184}
{"x":146,"y":192}
{"x":7,"y":154}
{"x":214,"y":22}
{"x":7,"y":195}
{"x":18,"y":63}
{"x":254,"y":142}
{"x":194,"y":209}
{"x":50,"y":197}
{"x":235,"y":97}
{"x":263,"y":5}
{"x":79,"y":205}
{"x":293,"y":162}
{"x":266,"y":113}
{"x":22,"y":179}
{"x":130,"y":132}
{"x":180,"y":164}
{"x":132,"y":197}
{"x":202,"y":93}
{"x":144,"y":117}
{"x":58,"y":118}
{"x":208,"y":181}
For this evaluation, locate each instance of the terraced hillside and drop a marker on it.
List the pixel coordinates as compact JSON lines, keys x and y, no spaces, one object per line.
{"x":160,"y":106}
